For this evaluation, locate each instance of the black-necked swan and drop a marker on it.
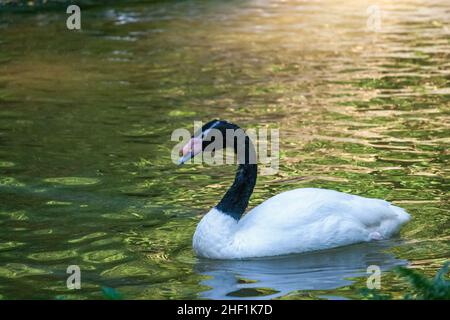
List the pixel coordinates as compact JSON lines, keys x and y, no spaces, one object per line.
{"x":295,"y":221}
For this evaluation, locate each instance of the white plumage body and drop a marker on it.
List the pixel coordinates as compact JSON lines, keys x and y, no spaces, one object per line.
{"x":297,"y":221}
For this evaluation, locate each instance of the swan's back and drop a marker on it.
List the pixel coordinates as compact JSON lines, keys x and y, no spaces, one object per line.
{"x":312,"y":219}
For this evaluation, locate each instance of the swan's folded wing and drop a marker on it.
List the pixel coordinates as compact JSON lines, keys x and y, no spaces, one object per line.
{"x":312,"y":219}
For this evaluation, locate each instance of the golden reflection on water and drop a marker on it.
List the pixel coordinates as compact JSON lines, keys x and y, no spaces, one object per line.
{"x":86,"y":118}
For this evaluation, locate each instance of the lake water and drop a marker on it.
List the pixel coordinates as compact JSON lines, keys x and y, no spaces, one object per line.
{"x":86,"y":117}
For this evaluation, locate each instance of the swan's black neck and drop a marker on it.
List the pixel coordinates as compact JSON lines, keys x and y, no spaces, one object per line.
{"x":235,"y":201}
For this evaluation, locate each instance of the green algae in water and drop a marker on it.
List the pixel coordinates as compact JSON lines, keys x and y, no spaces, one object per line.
{"x":104,"y":256}
{"x":88,"y":237}
{"x":6,"y":164}
{"x":55,"y":255}
{"x":72,"y":181}
{"x":15,"y":215}
{"x":10,"y":182}
{"x":10,"y":245}
{"x":19,"y":270}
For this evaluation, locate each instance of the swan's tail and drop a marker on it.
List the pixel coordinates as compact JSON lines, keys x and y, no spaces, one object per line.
{"x":402,"y":215}
{"x":392,"y":226}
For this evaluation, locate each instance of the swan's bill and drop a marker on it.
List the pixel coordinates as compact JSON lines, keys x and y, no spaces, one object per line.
{"x":190,"y":150}
{"x":183,"y":159}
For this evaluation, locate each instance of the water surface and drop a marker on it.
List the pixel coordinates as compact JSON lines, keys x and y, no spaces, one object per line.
{"x":86,"y":119}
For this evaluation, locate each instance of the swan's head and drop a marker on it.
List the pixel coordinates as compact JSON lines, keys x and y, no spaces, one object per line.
{"x":202,"y":138}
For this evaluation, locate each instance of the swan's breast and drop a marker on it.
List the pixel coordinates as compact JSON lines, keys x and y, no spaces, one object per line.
{"x":214,"y":236}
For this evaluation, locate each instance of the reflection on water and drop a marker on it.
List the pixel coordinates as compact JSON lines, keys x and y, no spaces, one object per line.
{"x":276,"y":277}
{"x":86,"y":119}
